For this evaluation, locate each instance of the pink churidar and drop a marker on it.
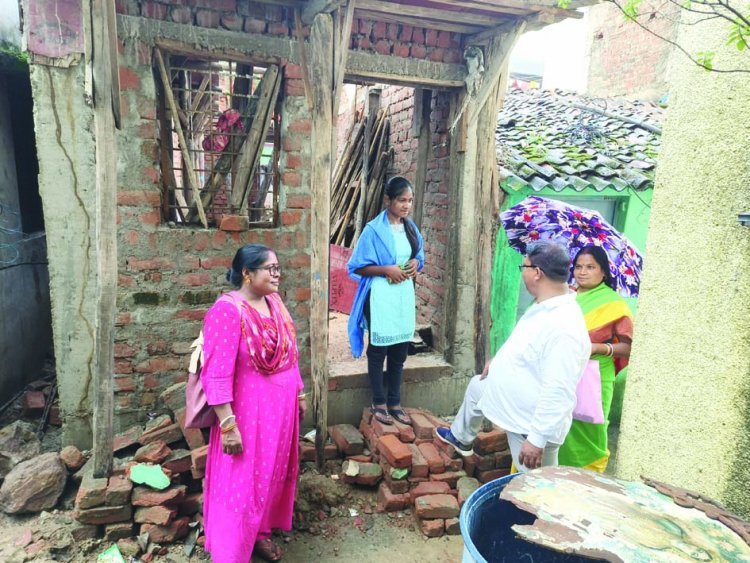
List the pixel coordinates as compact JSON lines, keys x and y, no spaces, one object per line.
{"x":248,"y":494}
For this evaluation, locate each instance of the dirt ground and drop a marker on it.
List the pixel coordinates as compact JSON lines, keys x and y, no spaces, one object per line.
{"x":338,"y":339}
{"x":348,"y":530}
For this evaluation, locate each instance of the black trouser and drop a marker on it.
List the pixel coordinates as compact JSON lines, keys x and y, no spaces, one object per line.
{"x":391,"y":377}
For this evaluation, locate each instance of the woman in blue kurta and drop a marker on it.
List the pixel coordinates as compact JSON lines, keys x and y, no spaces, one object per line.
{"x":386,"y":259}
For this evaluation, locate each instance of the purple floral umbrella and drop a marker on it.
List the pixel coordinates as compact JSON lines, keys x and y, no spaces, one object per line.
{"x":537,"y":218}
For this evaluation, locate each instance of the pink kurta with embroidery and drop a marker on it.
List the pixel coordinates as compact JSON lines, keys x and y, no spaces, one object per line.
{"x":248,"y":494}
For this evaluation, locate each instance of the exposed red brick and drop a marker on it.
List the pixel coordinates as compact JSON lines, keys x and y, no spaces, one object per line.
{"x":365,"y":27}
{"x":432,"y":456}
{"x":503,"y":460}
{"x":193,"y":436}
{"x":232,"y":21}
{"x":118,"y":491}
{"x":452,"y":464}
{"x":160,"y":515}
{"x":422,"y":426}
{"x":222,"y":5}
{"x":391,"y":31}
{"x":405,"y":34}
{"x":452,"y":527}
{"x":198,"y":457}
{"x":419,"y":465}
{"x":418,"y":51}
{"x":436,"y":506}
{"x":383,"y":47}
{"x":207,"y":18}
{"x":348,"y":439}
{"x":278,"y":28}
{"x":154,"y":452}
{"x":129,"y":79}
{"x":368,"y":474}
{"x":430,"y":37}
{"x":444,"y":39}
{"x":378,"y":30}
{"x":33,"y":403}
{"x":450,"y":477}
{"x":491,"y":442}
{"x":291,"y":179}
{"x":169,"y":434}
{"x":127,"y":438}
{"x":91,"y":493}
{"x":178,"y":529}
{"x":364,"y":43}
{"x":401,"y":49}
{"x":306,"y":451}
{"x":389,"y":501}
{"x":181,"y":14}
{"x":491,"y":475}
{"x":436,"y":55}
{"x":381,"y":429}
{"x":396,"y":452}
{"x":145,"y":496}
{"x":254,"y":25}
{"x":154,"y":10}
{"x":191,"y":504}
{"x":452,"y":56}
{"x":150,"y":264}
{"x":234,"y":223}
{"x":104,"y":514}
{"x":291,"y":218}
{"x":428,"y":488}
{"x":432,"y":528}
{"x":466,"y":486}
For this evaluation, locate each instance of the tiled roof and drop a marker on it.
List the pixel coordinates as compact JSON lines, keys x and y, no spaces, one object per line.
{"x":548,"y":139}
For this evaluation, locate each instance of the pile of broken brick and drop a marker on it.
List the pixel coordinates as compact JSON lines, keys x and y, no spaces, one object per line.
{"x":141,"y":518}
{"x":413,"y":469}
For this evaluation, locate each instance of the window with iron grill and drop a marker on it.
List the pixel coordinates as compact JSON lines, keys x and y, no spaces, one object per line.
{"x":226,"y":115}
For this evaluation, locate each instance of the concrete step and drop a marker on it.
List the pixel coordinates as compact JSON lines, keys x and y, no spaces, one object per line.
{"x":419,"y":367}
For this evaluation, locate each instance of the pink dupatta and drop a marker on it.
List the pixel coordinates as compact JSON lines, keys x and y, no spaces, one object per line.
{"x":271,"y":341}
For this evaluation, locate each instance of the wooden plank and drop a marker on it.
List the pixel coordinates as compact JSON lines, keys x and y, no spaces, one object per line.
{"x":321,"y":79}
{"x":341,"y":54}
{"x":398,"y":70}
{"x":302,"y":51}
{"x":187,"y":159}
{"x":433,"y":14}
{"x":115,"y":67}
{"x":106,"y":233}
{"x":497,"y":59}
{"x":314,"y":7}
{"x":253,"y":145}
{"x":422,"y":110}
{"x":415,"y":21}
{"x":489,"y":34}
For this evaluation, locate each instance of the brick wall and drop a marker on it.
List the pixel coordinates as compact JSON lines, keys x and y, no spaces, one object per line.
{"x":626,"y":60}
{"x":169,"y":277}
{"x":431,"y":283}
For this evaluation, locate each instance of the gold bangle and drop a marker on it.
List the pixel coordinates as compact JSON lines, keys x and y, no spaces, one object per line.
{"x":302,"y":396}
{"x":229,"y":428}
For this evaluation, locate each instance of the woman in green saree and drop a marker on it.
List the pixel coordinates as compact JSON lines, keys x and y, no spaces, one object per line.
{"x":610,"y":325}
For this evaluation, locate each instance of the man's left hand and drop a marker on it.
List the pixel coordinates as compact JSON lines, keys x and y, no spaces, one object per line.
{"x":530,"y":456}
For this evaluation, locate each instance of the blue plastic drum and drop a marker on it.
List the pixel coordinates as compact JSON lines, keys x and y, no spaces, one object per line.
{"x":485,"y":526}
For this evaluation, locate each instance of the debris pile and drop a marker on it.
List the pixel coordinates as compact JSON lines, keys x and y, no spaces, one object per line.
{"x":412,"y":469}
{"x":154,"y":495}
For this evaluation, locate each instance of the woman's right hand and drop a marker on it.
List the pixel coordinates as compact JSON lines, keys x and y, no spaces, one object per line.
{"x":395,"y":274}
{"x":231,"y":442}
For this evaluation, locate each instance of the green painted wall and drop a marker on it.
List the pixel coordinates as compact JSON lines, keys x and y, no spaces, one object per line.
{"x":631,"y":218}
{"x":686,"y":414}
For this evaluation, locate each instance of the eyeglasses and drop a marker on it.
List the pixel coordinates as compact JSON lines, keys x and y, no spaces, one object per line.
{"x":522,"y":266}
{"x":273,"y":269}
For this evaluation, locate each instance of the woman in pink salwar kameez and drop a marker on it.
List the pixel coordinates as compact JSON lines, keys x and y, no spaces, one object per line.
{"x":251,"y":376}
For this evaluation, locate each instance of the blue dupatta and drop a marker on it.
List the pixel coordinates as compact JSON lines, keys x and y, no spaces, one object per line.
{"x":375,"y":247}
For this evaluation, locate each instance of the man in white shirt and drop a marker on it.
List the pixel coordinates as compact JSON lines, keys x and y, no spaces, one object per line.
{"x":528,"y":389}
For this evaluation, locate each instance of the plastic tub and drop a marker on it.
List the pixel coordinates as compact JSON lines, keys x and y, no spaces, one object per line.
{"x":486,"y":522}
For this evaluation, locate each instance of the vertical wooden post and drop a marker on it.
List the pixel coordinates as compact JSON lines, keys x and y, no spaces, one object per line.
{"x":468,"y":310}
{"x":322,"y":85}
{"x":100,"y":57}
{"x":422,"y":111}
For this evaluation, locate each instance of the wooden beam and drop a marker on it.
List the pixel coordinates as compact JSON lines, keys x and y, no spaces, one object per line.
{"x":422,"y":111}
{"x":254,"y":48}
{"x":100,"y":57}
{"x":489,"y":34}
{"x":314,"y":7}
{"x":414,"y":72}
{"x":428,"y":13}
{"x":302,"y":52}
{"x":494,"y":63}
{"x":417,"y":22}
{"x":322,"y":81}
{"x":341,"y":53}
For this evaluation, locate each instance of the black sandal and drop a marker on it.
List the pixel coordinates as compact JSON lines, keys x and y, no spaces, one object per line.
{"x":381,"y":415}
{"x":400,"y":415}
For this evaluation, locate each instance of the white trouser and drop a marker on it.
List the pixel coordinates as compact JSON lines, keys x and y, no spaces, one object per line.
{"x":468,"y":423}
